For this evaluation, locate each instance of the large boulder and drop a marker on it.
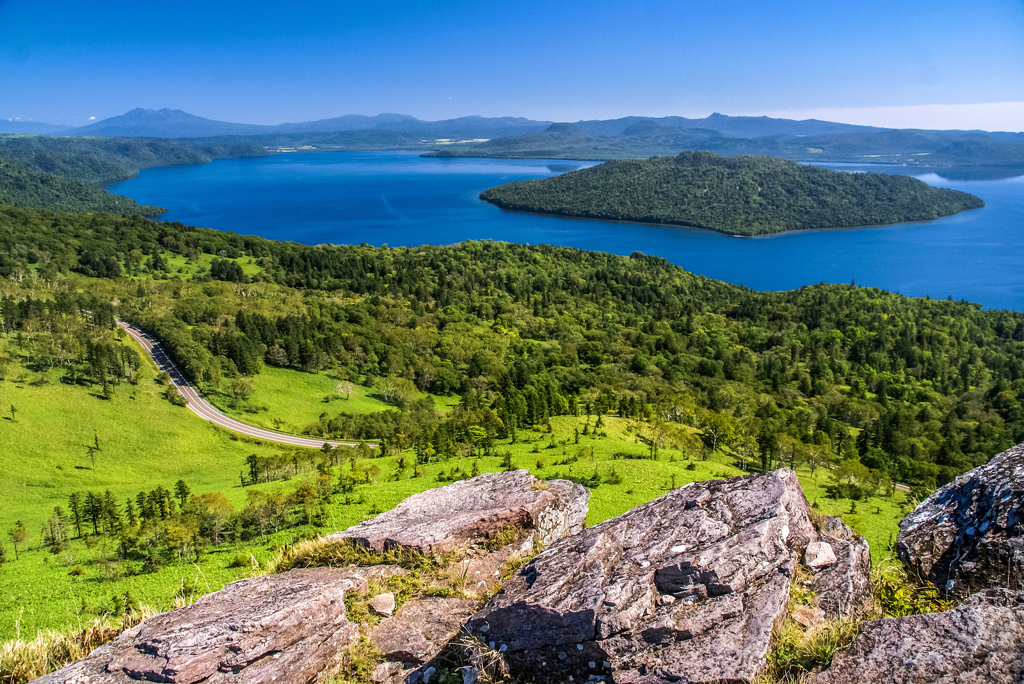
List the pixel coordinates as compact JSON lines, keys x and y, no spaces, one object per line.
{"x":285,"y":628}
{"x":476,"y":510}
{"x":843,"y":587}
{"x":968,"y":534}
{"x":687,"y":587}
{"x":980,"y":641}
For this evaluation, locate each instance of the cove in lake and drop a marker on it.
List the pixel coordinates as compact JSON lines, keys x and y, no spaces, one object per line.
{"x":399,"y":198}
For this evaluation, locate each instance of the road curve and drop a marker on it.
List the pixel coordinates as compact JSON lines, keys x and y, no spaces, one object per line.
{"x":205,"y":410}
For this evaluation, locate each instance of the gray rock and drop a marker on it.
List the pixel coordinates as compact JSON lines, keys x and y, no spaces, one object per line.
{"x":819,"y":554}
{"x":286,"y":627}
{"x":980,"y":641}
{"x":419,"y":629}
{"x":725,"y":550}
{"x":475,"y":510}
{"x":968,"y":534}
{"x":843,"y":588}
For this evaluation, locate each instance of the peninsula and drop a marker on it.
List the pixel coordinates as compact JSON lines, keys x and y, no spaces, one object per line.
{"x":742,"y":195}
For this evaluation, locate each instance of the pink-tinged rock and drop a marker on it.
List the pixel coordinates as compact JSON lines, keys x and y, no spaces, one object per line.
{"x":980,"y":641}
{"x":420,"y":629}
{"x":725,"y":550}
{"x":475,"y":510}
{"x":819,"y":554}
{"x":807,"y":616}
{"x":284,"y":628}
{"x":382,"y":604}
{"x":843,"y":588}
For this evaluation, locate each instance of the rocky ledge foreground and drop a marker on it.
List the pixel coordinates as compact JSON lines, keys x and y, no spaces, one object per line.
{"x":686,"y":588}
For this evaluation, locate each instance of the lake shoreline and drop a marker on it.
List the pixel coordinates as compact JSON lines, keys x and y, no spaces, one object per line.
{"x":343,"y":198}
{"x":670,"y":224}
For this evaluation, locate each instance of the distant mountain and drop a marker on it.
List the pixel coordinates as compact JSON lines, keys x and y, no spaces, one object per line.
{"x":469,"y":127}
{"x":174,"y":123}
{"x":349,"y":122}
{"x":30,"y":127}
{"x":644,"y":138}
{"x":165,"y":123}
{"x":737,"y":126}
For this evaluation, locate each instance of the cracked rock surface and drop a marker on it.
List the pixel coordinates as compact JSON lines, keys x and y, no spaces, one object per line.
{"x":286,"y":627}
{"x":843,"y":587}
{"x":593,"y":604}
{"x":968,"y":535}
{"x":982,"y":640}
{"x":475,"y":510}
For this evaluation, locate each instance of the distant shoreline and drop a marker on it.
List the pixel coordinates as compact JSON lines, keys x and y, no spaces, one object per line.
{"x":664,"y":224}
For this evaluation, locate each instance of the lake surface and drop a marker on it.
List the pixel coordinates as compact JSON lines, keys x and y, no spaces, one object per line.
{"x":399,"y":198}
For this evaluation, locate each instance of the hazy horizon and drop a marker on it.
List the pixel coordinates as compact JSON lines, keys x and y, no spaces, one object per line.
{"x":908,"y":65}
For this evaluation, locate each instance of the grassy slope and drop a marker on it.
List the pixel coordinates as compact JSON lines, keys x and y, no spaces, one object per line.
{"x":161,"y":443}
{"x":296,"y":399}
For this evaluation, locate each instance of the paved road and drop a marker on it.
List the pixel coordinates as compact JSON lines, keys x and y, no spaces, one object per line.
{"x":205,"y":410}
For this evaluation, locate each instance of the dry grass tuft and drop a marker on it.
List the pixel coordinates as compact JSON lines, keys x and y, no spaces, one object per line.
{"x":22,"y":661}
{"x":314,"y":553}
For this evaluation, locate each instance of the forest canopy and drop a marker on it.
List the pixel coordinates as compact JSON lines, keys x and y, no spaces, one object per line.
{"x":21,"y":186}
{"x":742,"y":195}
{"x":911,"y":389}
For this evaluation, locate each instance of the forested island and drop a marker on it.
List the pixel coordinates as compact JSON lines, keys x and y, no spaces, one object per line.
{"x":743,"y":195}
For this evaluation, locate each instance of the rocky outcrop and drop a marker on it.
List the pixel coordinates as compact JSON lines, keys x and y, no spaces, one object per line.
{"x":476,"y":510}
{"x":968,"y":534}
{"x":843,"y":586}
{"x":287,"y":627}
{"x":420,"y":629}
{"x":687,"y":587}
{"x":980,"y":641}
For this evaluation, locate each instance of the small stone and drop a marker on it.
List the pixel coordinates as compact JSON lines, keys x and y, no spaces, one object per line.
{"x":469,"y":675}
{"x":579,"y":647}
{"x":592,"y":664}
{"x":428,"y":673}
{"x":668,"y":600}
{"x":383,"y":604}
{"x":384,"y":671}
{"x":808,"y":616}
{"x":819,"y":554}
{"x":678,"y":548}
{"x":484,"y":628}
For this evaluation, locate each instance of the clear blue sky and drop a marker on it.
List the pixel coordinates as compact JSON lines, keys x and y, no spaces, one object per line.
{"x":64,"y":62}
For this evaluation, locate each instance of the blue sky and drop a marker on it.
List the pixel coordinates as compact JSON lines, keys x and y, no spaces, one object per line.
{"x":899,"y":62}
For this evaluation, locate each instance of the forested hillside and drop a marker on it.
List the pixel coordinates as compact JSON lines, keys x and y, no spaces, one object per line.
{"x":744,"y":195}
{"x":878,"y":385}
{"x":27,"y":188}
{"x":97,"y":160}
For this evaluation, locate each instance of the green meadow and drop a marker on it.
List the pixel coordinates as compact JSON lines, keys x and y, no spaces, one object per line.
{"x":145,"y":442}
{"x":289,"y":400}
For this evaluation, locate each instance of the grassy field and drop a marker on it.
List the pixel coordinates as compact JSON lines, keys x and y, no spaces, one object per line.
{"x":289,"y":400}
{"x":145,"y":442}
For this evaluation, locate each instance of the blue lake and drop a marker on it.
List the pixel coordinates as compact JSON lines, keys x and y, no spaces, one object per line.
{"x":399,"y":198}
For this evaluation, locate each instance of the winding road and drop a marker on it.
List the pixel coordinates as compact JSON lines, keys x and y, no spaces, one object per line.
{"x":205,"y":410}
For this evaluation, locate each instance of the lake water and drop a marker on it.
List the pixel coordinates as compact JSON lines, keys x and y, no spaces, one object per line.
{"x":399,"y":198}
